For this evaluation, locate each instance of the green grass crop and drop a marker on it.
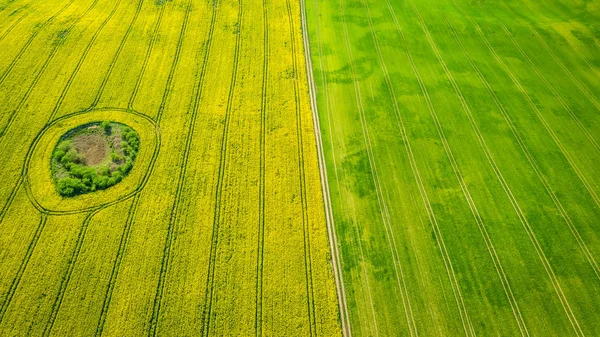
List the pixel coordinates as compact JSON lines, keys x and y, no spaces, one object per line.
{"x":461,"y":141}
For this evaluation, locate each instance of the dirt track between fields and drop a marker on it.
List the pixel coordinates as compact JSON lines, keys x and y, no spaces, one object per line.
{"x":333,"y":244}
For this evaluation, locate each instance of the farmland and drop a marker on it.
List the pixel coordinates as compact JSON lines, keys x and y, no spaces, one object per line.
{"x":462,"y":147}
{"x":219,"y":227}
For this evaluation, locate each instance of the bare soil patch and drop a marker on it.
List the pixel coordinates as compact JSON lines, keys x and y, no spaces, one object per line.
{"x":92,"y":147}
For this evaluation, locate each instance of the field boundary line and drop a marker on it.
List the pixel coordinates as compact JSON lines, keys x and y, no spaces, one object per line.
{"x":31,"y":38}
{"x":330,"y":221}
{"x":258,"y":319}
{"x":209,"y":291}
{"x":17,"y":279}
{"x":174,"y":215}
{"x":66,"y":278}
{"x":41,"y":72}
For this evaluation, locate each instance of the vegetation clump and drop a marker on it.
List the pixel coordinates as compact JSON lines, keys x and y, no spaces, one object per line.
{"x":93,"y":157}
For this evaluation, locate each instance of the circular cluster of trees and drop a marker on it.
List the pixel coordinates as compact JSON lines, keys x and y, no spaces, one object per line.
{"x":71,"y":172}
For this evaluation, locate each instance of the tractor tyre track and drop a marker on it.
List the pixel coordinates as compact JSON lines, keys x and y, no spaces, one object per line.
{"x":209,"y":291}
{"x":132,"y":209}
{"x":138,"y":83}
{"x":30,"y":40}
{"x":306,"y":228}
{"x":533,"y":238}
{"x":14,"y":24}
{"x":174,"y":216}
{"x":116,"y":57}
{"x":17,"y":280}
{"x":33,"y":84}
{"x":64,"y":283}
{"x":117,"y":265}
{"x":260,"y":258}
{"x":82,"y":59}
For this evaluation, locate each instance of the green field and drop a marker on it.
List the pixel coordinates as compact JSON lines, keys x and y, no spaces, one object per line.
{"x":462,"y":147}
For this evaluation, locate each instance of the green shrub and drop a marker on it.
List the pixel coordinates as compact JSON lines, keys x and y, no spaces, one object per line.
{"x":107,"y":127}
{"x":71,"y":186}
{"x":81,"y":178}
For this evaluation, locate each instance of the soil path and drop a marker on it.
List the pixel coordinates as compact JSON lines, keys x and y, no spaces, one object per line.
{"x":333,"y":244}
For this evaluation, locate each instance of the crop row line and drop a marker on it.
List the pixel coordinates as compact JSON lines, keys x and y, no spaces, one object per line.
{"x":360,"y":108}
{"x":33,"y":244}
{"x":554,"y":92}
{"x":260,"y":258}
{"x":33,"y":84}
{"x":576,"y":50}
{"x":301,"y":163}
{"x":410,"y":319}
{"x":532,"y":161}
{"x":66,"y":279}
{"x":133,"y":208}
{"x":80,"y":62}
{"x":524,"y":149}
{"x":64,"y":282}
{"x":124,"y":240}
{"x":17,"y":280}
{"x":566,"y":70}
{"x":174,"y":216}
{"x":455,"y":167}
{"x":114,"y":274}
{"x":116,"y":56}
{"x":209,"y":291}
{"x":93,"y":211}
{"x":545,"y":262}
{"x":149,"y":51}
{"x":12,"y":26}
{"x":463,"y":313}
{"x":480,"y":223}
{"x":30,"y":40}
{"x":22,"y":177}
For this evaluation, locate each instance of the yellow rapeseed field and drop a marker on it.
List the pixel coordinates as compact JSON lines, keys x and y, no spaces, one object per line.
{"x":219,"y":229}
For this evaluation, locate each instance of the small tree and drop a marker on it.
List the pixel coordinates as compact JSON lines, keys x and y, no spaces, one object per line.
{"x":106,"y":126}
